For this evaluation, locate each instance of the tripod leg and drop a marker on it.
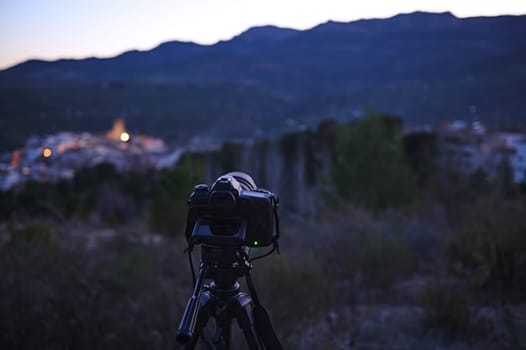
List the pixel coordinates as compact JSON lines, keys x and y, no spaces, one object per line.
{"x":223,"y":335}
{"x":263,"y":325}
{"x":243,"y":311}
{"x":188,"y":321}
{"x":205,"y":312}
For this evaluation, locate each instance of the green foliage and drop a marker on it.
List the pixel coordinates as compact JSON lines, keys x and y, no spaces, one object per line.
{"x":490,"y":247}
{"x":420,"y":149}
{"x":102,"y":191}
{"x":8,"y":202}
{"x":103,"y":194}
{"x":327,"y":133}
{"x":92,"y":176}
{"x":170,"y":194}
{"x":32,"y":233}
{"x":380,"y":260}
{"x":37,"y":199}
{"x":362,"y":248}
{"x":370,"y":168}
{"x":115,"y":297}
{"x":446,"y":309}
{"x":135,"y":267}
{"x":296,"y":289}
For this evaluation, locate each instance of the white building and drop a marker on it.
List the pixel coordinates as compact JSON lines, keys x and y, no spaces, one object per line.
{"x":462,"y":154}
{"x":466,"y":150}
{"x":518,"y":163}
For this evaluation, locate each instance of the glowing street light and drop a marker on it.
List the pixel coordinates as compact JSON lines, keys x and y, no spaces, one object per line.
{"x":46,"y":153}
{"x":125,"y":137}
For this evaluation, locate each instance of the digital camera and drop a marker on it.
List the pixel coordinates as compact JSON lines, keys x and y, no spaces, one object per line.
{"x":231,"y":212}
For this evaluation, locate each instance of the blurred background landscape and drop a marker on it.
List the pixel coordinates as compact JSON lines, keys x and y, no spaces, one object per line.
{"x":397,"y":147}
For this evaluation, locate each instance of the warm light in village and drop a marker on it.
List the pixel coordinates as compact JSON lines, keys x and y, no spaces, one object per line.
{"x":125,"y":137}
{"x":47,"y":153}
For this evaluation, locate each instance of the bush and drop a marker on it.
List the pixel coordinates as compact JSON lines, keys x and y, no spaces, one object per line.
{"x":169,"y":197}
{"x":32,"y":233}
{"x":295,"y":289}
{"x":445,"y":309}
{"x":489,"y":249}
{"x":59,"y":296}
{"x":380,"y":260}
{"x":366,"y":250}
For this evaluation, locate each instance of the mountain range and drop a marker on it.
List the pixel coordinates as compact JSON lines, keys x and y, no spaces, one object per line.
{"x":424,"y":67}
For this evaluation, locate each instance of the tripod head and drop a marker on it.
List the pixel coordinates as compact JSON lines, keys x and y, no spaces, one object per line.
{"x":225,"y":265}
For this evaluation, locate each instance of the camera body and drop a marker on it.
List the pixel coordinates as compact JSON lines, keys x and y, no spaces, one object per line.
{"x":232,"y":212}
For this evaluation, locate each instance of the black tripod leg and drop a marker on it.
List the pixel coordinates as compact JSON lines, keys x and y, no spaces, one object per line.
{"x":204,"y":314}
{"x":188,"y":321}
{"x":263,"y":325}
{"x":243,"y":311}
{"x":223,"y":335}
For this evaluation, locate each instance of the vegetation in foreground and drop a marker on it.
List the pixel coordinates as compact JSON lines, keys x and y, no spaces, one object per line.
{"x":445,"y":266}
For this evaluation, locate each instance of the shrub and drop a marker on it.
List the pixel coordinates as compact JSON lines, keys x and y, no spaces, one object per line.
{"x":490,"y":248}
{"x":170,"y":194}
{"x":32,"y":233}
{"x":121,"y":296}
{"x":366,"y":249}
{"x":295,"y":289}
{"x":380,"y":260}
{"x":445,"y":309}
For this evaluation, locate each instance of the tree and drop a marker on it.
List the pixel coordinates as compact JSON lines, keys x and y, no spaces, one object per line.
{"x":170,"y":194}
{"x":370,"y":167}
{"x":420,"y":149}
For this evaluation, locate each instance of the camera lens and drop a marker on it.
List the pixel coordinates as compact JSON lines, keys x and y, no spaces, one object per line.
{"x":246,"y":182}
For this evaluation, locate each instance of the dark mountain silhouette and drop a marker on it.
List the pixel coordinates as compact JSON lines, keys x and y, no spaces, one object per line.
{"x":422,"y":66}
{"x":262,"y":35}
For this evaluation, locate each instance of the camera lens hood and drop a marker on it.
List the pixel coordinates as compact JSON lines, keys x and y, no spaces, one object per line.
{"x":246,"y":182}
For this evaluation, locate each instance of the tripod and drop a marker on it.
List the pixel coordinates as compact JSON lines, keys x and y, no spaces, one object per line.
{"x":223,"y":301}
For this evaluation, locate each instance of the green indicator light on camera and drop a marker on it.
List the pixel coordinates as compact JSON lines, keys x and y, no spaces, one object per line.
{"x":256,"y":242}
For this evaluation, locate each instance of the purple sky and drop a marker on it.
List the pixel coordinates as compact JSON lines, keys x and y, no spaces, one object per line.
{"x":51,"y":29}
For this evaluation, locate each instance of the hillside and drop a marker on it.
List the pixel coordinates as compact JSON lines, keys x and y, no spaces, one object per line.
{"x":422,"y":66}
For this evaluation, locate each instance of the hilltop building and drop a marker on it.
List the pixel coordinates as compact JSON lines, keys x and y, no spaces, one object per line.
{"x":118,"y":131}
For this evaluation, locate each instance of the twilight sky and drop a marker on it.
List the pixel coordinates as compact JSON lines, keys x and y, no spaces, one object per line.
{"x":51,"y":29}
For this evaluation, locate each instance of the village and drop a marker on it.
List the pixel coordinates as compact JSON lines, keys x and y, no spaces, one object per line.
{"x":58,"y":156}
{"x":462,"y":147}
{"x":470,"y":147}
